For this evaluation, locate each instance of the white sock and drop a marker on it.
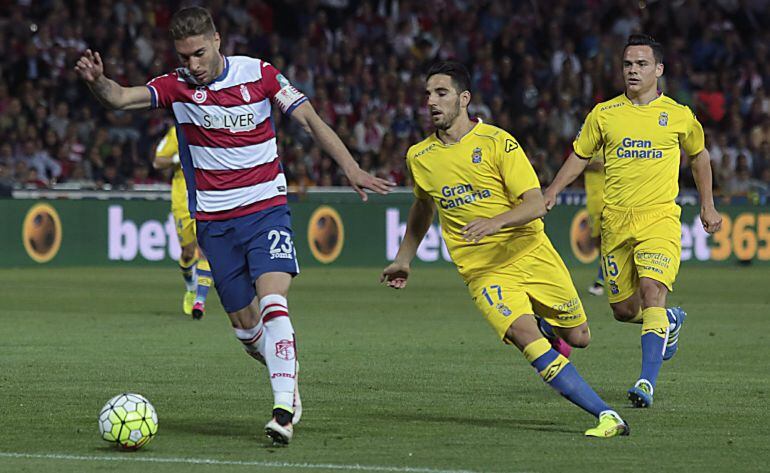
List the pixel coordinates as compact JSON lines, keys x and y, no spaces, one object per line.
{"x":253,"y":341}
{"x":279,"y":350}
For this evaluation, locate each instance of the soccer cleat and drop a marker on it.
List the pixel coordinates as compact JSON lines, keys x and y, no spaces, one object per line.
{"x":187,"y":302}
{"x":297,"y":401}
{"x":596,"y":289}
{"x":279,"y":428}
{"x":198,"y":310}
{"x":610,"y":425}
{"x":676,"y":316}
{"x":561,"y":346}
{"x":641,"y":394}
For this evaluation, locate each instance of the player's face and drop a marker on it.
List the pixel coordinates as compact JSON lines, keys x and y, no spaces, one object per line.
{"x":640,"y":71}
{"x":200,"y":54}
{"x":444,"y":101}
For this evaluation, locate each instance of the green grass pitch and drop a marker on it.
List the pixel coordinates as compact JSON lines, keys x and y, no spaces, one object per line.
{"x":407,"y":381}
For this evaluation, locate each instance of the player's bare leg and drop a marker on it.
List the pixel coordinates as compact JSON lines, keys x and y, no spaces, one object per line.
{"x":280,"y":353}
{"x":560,"y":374}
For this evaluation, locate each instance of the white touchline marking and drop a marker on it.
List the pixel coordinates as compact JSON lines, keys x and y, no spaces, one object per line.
{"x":211,"y":461}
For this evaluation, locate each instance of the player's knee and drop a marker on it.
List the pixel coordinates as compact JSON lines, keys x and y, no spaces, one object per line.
{"x":653,"y":293}
{"x":624,"y":312}
{"x":188,"y":252}
{"x":579,"y":337}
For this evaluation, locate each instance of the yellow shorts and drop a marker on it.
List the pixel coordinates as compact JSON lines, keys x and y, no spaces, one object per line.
{"x":537,"y":283}
{"x":640,"y":243}
{"x":185,"y":226}
{"x":594,"y":206}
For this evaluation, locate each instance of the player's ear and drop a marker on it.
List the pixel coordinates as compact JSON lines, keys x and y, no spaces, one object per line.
{"x":217,"y":40}
{"x":465,"y":98}
{"x":659,"y":69}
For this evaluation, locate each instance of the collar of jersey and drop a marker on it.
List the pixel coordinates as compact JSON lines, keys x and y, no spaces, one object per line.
{"x":224,"y":72}
{"x":628,"y":100}
{"x":435,"y":135}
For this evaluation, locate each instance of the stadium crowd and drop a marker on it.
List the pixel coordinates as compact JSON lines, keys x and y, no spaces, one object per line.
{"x":537,"y":68}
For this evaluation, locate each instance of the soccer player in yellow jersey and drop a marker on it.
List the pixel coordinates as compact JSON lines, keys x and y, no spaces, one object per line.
{"x":195,"y":267}
{"x":594,"y":186}
{"x":641,"y":132}
{"x":489,"y":205}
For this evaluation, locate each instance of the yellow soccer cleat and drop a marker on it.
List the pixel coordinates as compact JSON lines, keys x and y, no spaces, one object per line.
{"x":610,"y":425}
{"x":187,"y":302}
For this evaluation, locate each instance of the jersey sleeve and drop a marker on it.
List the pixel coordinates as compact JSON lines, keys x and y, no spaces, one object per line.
{"x":518,"y":174}
{"x":692,"y":141}
{"x":168,"y":146}
{"x":589,"y":137}
{"x":418,"y":191}
{"x":163,"y":90}
{"x":280,"y":90}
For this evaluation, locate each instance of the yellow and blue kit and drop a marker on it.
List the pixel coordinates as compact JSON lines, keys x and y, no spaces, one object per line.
{"x":641,"y":232}
{"x":515,"y":271}
{"x":185,"y":226}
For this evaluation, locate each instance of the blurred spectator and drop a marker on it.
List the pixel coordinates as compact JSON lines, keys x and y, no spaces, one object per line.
{"x":537,"y":69}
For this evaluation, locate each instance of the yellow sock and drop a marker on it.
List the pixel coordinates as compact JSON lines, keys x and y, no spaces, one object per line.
{"x":655,"y":321}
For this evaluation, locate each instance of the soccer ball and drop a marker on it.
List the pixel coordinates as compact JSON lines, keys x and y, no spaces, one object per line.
{"x":128,"y":420}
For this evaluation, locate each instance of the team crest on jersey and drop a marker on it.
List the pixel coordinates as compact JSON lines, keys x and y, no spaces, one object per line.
{"x":245,"y":93}
{"x":285,"y":349}
{"x":503,"y":309}
{"x":200,"y":95}
{"x":476,"y":156}
{"x":663,"y":119}
{"x":283,"y":81}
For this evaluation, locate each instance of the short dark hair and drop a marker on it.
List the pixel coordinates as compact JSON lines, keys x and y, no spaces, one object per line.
{"x":461,"y":79}
{"x":191,"y":21}
{"x":639,"y":39}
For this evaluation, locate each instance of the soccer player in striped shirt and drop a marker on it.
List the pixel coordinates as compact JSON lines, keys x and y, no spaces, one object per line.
{"x":236,"y":187}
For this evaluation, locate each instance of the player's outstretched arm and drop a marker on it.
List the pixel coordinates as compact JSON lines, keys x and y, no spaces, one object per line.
{"x":90,"y":68}
{"x":570,"y":170}
{"x":306,"y":116}
{"x":417,"y":225}
{"x":701,"y":172}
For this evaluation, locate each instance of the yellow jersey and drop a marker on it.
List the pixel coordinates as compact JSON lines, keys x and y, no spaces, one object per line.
{"x":167,"y":148}
{"x":641,"y":146}
{"x":481,"y":176}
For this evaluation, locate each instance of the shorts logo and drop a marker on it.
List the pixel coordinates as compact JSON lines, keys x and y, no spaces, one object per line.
{"x":510,"y":145}
{"x":200,"y":95}
{"x":245,"y":93}
{"x":503,"y":309}
{"x":663,"y":119}
{"x":613,"y":287}
{"x":281,"y":245}
{"x":476,"y":156}
{"x":284,"y":349}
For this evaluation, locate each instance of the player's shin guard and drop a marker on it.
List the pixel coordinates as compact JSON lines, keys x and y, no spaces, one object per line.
{"x":253,"y":341}
{"x":204,"y":280}
{"x":188,"y":272}
{"x":280,"y":353}
{"x":559,"y":373}
{"x":654,"y":336}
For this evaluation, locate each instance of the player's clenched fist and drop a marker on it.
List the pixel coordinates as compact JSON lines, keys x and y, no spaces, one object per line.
{"x":395,"y":275}
{"x":90,"y":66}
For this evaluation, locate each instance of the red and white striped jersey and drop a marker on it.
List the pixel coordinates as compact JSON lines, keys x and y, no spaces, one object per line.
{"x":227,"y":142}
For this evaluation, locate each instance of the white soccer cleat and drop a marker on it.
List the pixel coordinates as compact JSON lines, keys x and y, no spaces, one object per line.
{"x":281,"y":434}
{"x":297,"y":401}
{"x":596,"y":290}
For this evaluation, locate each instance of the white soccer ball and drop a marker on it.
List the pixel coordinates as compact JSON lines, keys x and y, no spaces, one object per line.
{"x":128,"y":420}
